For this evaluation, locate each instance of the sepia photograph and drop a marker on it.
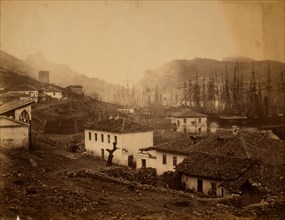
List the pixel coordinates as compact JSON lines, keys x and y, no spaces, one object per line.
{"x":142,"y":109}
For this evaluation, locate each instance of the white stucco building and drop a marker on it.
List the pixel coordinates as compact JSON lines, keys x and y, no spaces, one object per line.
{"x":25,"y":90}
{"x":128,"y":136}
{"x":18,"y":110}
{"x":190,"y":122}
{"x":166,"y":156}
{"x":15,"y":124}
{"x":54,"y":93}
{"x":127,"y":110}
{"x":208,"y":174}
{"x":14,"y":134}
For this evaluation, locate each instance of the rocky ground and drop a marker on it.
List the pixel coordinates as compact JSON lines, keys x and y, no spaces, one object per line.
{"x":49,"y":182}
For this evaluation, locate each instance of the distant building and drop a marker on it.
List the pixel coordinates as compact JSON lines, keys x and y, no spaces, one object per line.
{"x":26,"y":90}
{"x":190,"y":122}
{"x":11,"y":96}
{"x":77,"y":89}
{"x":129,"y":137}
{"x":54,"y":93}
{"x":44,"y":76}
{"x":127,"y":110}
{"x":15,"y":118}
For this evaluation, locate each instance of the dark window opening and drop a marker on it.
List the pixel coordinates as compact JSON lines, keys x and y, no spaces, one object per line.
{"x":102,"y":154}
{"x":89,"y":135}
{"x":102,"y":137}
{"x":174,"y":161}
{"x":24,"y":116}
{"x":200,"y":185}
{"x":163,"y":159}
{"x":143,"y":163}
{"x":185,"y":120}
{"x":115,"y":138}
{"x":214,"y":189}
{"x":109,"y":139}
{"x":95,"y":136}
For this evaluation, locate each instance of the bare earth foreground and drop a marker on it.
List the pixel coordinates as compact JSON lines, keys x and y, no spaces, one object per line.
{"x":36,"y":184}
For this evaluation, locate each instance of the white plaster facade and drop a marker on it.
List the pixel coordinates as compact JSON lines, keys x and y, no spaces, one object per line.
{"x":34,"y":94}
{"x":161,"y":161}
{"x":127,"y":110}
{"x":14,"y":134}
{"x":54,"y":94}
{"x":190,"y":124}
{"x":128,"y":144}
{"x":191,"y":183}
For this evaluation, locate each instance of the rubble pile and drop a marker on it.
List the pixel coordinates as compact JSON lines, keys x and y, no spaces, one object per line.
{"x":170,"y":180}
{"x":146,"y":176}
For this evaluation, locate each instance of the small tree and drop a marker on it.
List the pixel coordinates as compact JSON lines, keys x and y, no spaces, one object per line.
{"x":111,"y":152}
{"x":74,"y":144}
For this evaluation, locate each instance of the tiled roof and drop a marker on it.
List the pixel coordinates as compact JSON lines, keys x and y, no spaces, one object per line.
{"x":243,"y":144}
{"x":119,"y":125}
{"x":77,"y":86}
{"x":215,"y":167}
{"x":267,"y":177}
{"x":52,"y":90}
{"x":9,"y":106}
{"x":225,"y":142}
{"x":179,"y":146}
{"x":189,"y":114}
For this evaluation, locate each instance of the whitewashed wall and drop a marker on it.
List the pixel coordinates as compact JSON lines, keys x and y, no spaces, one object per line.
{"x":128,"y":144}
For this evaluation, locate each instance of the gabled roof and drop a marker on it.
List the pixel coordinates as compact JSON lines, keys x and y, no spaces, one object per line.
{"x":52,"y":90}
{"x":76,"y":86}
{"x":179,"y":146}
{"x":203,"y":165}
{"x":9,"y":106}
{"x":189,"y":114}
{"x":119,"y":125}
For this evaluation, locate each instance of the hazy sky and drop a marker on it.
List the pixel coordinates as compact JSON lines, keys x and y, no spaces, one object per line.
{"x":119,"y":41}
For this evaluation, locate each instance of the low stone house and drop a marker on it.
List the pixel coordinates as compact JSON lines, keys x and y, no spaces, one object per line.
{"x":128,"y":136}
{"x":205,"y":173}
{"x":77,"y":89}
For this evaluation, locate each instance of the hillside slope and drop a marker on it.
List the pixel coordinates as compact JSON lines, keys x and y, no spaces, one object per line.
{"x":60,"y":74}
